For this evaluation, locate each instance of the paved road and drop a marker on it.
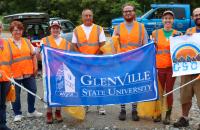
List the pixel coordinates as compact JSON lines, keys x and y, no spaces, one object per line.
{"x":93,"y":120}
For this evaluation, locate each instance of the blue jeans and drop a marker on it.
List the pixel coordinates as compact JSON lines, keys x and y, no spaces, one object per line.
{"x":4,"y":87}
{"x":30,"y":84}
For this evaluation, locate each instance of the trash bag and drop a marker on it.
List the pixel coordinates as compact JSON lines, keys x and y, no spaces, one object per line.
{"x":112,"y":46}
{"x":153,"y":108}
{"x":76,"y":112}
{"x":11,"y":94}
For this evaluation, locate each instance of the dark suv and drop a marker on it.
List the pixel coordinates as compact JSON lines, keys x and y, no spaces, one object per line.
{"x":35,"y":25}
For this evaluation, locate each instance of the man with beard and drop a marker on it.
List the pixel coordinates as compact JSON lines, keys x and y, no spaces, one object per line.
{"x":188,"y":92}
{"x":131,"y":36}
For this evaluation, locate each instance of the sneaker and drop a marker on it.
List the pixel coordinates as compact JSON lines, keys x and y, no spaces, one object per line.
{"x":182,"y":122}
{"x":34,"y":114}
{"x":101,"y":110}
{"x":18,"y":118}
{"x":135,"y":116}
{"x":122,"y":115}
{"x":58,"y":116}
{"x":49,"y":118}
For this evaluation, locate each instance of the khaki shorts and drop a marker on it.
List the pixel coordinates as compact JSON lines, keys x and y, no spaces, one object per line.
{"x":187,"y":92}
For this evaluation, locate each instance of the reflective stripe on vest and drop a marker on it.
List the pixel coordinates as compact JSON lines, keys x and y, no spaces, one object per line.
{"x":156,"y":38}
{"x":130,"y":44}
{"x":5,"y":63}
{"x":47,"y":41}
{"x":163,"y":52}
{"x":124,"y":45}
{"x":10,"y":51}
{"x":87,"y":44}
{"x":21,"y":58}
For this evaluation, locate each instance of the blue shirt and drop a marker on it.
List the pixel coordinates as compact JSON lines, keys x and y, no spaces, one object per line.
{"x":197,"y":30}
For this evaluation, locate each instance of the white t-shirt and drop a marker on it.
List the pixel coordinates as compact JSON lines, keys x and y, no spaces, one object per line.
{"x":87,"y":30}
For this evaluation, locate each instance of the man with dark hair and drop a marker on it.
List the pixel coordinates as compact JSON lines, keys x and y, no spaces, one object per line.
{"x":188,"y":91}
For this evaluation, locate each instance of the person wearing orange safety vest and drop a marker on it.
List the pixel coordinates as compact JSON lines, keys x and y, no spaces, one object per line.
{"x":88,"y":38}
{"x":23,"y":69}
{"x":132,"y":35}
{"x":55,"y":41}
{"x":187,"y":92}
{"x":5,"y":70}
{"x":163,"y":60}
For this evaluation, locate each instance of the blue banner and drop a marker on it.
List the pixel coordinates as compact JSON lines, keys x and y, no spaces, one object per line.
{"x":73,"y":79}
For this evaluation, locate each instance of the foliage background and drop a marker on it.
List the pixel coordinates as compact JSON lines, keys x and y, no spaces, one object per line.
{"x":104,"y":10}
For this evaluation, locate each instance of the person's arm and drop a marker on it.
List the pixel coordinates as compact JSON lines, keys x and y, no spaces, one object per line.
{"x":102,"y":40}
{"x":74,"y":43}
{"x":146,"y":37}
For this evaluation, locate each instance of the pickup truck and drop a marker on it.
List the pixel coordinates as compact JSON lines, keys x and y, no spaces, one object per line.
{"x":152,"y":19}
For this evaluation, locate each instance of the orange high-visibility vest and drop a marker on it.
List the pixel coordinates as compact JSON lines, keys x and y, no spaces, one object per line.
{"x":191,"y":30}
{"x":132,"y":40}
{"x":163,"y":57}
{"x":22,"y":63}
{"x":90,"y":46}
{"x":50,"y":41}
{"x":5,"y":61}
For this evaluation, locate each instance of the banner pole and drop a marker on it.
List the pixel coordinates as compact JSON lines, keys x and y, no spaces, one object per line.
{"x":197,"y":78}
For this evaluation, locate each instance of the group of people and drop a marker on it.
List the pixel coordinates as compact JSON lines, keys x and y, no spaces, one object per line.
{"x":18,"y":60}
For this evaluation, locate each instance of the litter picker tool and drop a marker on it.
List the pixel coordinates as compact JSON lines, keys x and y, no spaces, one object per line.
{"x":192,"y":81}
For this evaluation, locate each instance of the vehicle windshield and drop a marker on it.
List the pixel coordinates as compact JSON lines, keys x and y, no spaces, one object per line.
{"x":147,"y":13}
{"x":36,"y":31}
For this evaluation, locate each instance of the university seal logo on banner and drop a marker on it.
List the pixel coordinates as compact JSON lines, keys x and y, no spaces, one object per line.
{"x":65,"y":82}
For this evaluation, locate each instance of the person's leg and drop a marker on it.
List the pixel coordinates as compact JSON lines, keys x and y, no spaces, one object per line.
{"x":122,"y":114}
{"x":135,"y":116}
{"x":169,"y":87}
{"x":58,"y":114}
{"x":3,"y":88}
{"x":162,"y":77}
{"x":2,"y":105}
{"x":30,"y":84}
{"x":186,"y":94}
{"x":17,"y":104}
{"x":49,"y":116}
